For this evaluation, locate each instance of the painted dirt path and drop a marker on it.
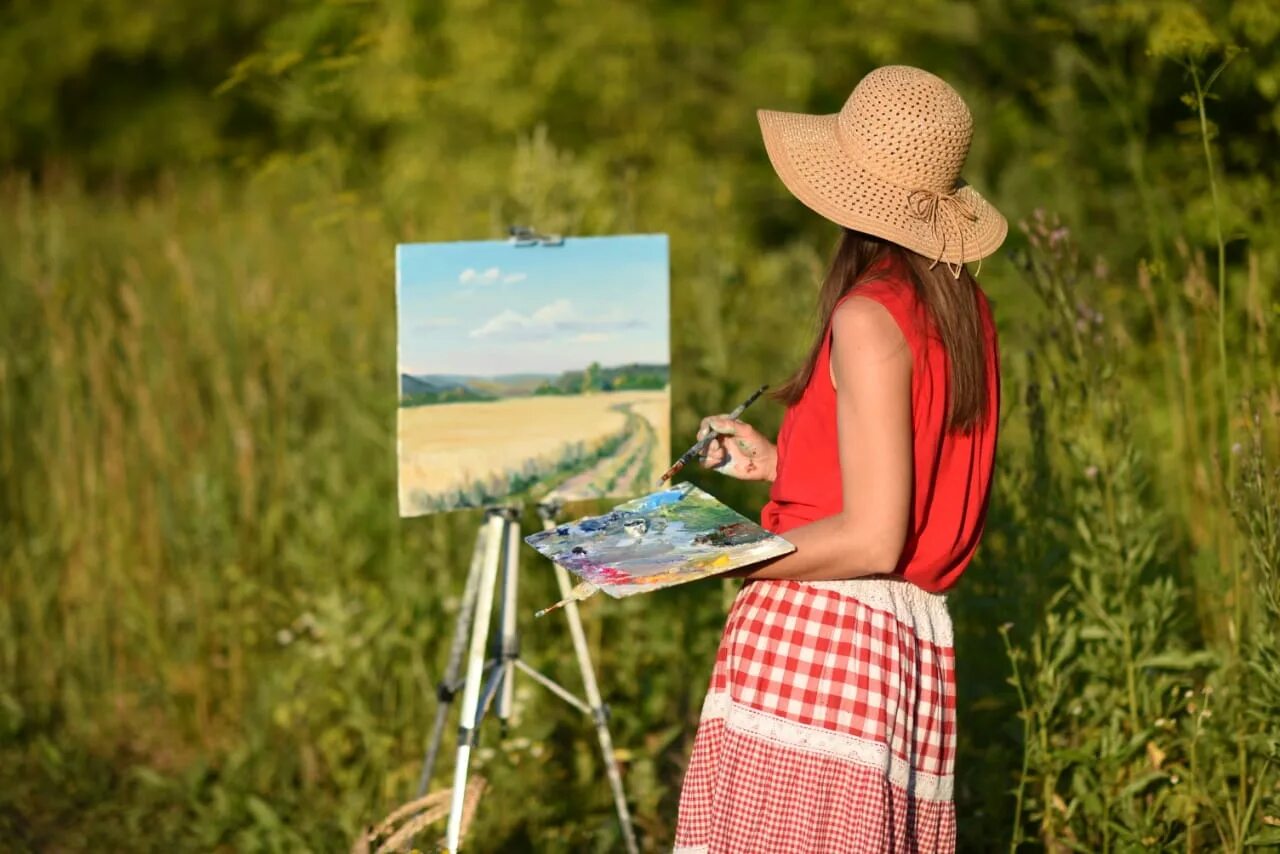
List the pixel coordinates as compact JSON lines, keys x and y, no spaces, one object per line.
{"x":623,"y":472}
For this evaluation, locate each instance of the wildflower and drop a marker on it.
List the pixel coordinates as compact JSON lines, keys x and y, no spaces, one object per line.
{"x":1091,"y":472}
{"x":1236,"y":448}
{"x":1174,"y":779}
{"x":1155,"y":755}
{"x":284,"y":637}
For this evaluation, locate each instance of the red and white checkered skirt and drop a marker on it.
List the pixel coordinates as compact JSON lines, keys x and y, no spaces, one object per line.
{"x":829,"y":724}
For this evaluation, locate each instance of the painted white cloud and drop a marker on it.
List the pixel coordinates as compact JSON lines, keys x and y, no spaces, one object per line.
{"x":512,"y":278}
{"x":558,"y":319}
{"x":471,"y":276}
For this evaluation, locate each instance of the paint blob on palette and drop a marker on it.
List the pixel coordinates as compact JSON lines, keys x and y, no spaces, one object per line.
{"x":668,"y":537}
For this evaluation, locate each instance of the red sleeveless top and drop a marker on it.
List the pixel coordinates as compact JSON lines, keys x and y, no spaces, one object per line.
{"x":952,"y":471}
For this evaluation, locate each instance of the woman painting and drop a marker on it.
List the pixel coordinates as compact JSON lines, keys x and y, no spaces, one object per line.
{"x":829,"y":724}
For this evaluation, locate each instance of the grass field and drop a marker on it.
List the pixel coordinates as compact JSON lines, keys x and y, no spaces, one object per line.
{"x":466,"y":454}
{"x":216,"y":635}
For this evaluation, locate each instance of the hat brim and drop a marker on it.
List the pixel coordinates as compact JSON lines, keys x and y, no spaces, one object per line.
{"x":806,"y":153}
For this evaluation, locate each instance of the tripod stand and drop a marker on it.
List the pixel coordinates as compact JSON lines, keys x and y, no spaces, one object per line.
{"x":497,"y":542}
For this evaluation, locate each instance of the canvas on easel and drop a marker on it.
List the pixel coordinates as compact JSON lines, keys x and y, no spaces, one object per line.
{"x":531,"y":374}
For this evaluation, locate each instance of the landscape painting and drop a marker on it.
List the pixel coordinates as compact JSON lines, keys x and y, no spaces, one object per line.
{"x":531,"y":372}
{"x":667,"y":537}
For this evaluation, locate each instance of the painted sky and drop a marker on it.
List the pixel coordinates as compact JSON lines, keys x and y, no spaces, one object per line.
{"x":489,"y":307}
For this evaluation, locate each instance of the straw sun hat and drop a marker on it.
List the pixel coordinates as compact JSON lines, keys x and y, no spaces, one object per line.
{"x":888,"y":164}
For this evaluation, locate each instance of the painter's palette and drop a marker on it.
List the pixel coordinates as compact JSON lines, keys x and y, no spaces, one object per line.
{"x":668,"y":537}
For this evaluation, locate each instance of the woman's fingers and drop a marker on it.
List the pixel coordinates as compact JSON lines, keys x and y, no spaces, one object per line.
{"x":735,"y":445}
{"x":715,"y":424}
{"x":736,"y":448}
{"x":720,"y":424}
{"x":714,"y":455}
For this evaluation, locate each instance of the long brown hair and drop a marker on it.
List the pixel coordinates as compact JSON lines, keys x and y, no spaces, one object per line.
{"x":952,"y":304}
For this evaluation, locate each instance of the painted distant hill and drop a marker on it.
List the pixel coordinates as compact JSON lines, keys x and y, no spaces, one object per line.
{"x":410,"y":385}
{"x":425,"y":389}
{"x":508,"y":383}
{"x":419,"y":390}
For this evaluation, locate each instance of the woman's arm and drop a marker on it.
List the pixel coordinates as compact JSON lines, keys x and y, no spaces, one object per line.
{"x":871,"y":369}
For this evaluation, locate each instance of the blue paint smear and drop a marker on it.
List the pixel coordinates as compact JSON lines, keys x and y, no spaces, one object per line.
{"x":594,"y":523}
{"x":656,"y":500}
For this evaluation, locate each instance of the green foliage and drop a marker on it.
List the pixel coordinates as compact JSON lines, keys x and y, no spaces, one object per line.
{"x":215,"y":634}
{"x":1103,"y":677}
{"x":1138,"y":731}
{"x":595,"y":378}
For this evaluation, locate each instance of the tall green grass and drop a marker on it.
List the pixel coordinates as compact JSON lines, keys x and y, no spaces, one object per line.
{"x":214,"y":630}
{"x":1151,"y":512}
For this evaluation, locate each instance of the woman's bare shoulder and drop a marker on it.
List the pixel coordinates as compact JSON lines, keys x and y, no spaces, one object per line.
{"x":864,"y":321}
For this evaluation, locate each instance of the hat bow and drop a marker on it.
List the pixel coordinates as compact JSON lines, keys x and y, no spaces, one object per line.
{"x":943,"y":212}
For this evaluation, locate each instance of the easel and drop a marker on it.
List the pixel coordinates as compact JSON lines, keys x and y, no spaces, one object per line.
{"x":497,"y":544}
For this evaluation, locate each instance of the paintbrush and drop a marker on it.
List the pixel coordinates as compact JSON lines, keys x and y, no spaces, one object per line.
{"x":701,"y":444}
{"x":577,"y":594}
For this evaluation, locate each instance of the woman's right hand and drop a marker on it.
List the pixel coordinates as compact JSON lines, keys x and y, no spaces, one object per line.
{"x":738,"y":449}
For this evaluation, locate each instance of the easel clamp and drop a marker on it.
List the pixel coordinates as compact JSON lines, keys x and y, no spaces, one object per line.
{"x":522,"y":236}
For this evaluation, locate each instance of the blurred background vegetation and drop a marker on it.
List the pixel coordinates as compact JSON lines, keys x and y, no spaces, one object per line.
{"x":215,"y":633}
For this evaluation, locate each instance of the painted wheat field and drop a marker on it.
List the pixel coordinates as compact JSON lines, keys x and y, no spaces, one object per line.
{"x":580,"y":446}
